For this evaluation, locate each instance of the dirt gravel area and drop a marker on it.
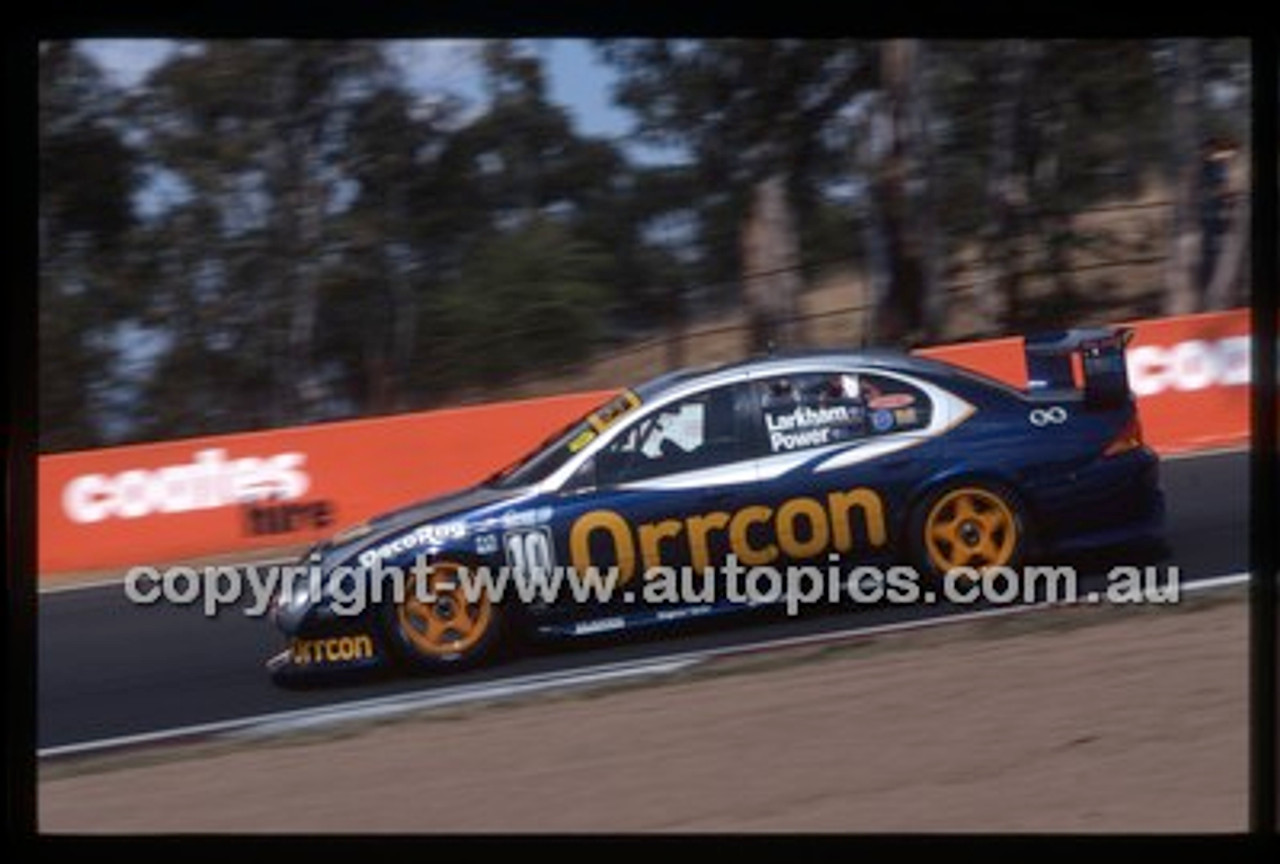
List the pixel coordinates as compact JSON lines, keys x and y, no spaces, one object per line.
{"x":1082,"y":720}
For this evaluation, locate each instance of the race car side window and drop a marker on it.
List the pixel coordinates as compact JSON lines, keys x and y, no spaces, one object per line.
{"x":813,"y":409}
{"x":700,"y":431}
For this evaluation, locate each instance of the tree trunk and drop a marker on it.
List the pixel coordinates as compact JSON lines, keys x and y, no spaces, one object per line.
{"x":879,"y":281}
{"x":900,"y":316}
{"x":933,"y":303}
{"x":771,"y":268}
{"x":305,"y":303}
{"x":1184,"y":242}
{"x":998,"y":288}
{"x":404,"y":326}
{"x":1053,"y":224}
{"x":869,"y":136}
{"x":674,"y":314}
{"x":281,"y":366}
{"x":302,"y":225}
{"x":1225,"y":286}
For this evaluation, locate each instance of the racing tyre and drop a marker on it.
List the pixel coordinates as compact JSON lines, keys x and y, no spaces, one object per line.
{"x":438,"y":628}
{"x":976,"y":524}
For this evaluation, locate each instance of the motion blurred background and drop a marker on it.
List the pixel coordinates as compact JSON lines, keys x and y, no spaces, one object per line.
{"x":242,"y":235}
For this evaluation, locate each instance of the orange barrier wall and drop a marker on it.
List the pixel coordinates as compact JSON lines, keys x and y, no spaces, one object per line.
{"x":155,"y":503}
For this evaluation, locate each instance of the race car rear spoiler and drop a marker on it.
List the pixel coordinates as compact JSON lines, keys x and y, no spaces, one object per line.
{"x":1050,"y":363}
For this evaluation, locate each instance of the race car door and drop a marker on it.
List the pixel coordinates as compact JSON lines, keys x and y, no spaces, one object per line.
{"x":663,"y":490}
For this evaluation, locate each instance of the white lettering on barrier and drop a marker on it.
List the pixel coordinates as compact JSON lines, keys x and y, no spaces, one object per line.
{"x":210,"y":480}
{"x":1195,"y":364}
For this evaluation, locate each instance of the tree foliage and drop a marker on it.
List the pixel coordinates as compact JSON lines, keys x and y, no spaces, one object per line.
{"x":87,"y":176}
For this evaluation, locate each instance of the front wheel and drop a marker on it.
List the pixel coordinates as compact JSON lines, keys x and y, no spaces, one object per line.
{"x":976,"y":524}
{"x":440,"y":626}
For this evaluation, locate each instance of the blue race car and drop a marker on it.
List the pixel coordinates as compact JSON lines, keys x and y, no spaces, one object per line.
{"x":860,"y":458}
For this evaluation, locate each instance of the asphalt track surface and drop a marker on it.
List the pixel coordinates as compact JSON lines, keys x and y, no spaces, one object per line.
{"x":108,"y":668}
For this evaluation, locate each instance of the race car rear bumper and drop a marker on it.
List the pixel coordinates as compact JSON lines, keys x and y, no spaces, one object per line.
{"x":1144,"y":534}
{"x":1113,"y":502}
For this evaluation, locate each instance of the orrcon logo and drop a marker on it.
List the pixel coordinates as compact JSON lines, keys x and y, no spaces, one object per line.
{"x":210,"y":480}
{"x":1191,"y":365}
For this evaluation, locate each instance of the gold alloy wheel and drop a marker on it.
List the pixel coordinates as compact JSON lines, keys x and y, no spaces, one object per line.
{"x":970,"y":527}
{"x":437,"y":622}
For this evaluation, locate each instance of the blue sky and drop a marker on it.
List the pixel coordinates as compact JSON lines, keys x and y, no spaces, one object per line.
{"x":580,"y":82}
{"x":577,"y":79}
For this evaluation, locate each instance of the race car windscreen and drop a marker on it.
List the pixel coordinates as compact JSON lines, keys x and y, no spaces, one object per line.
{"x":556,"y":449}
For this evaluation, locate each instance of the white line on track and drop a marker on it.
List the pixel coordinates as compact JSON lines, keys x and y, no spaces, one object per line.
{"x":1207,"y":453}
{"x":545,"y":682}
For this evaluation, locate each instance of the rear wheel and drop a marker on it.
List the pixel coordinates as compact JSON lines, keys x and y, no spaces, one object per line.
{"x":436,"y":625}
{"x":976,"y":524}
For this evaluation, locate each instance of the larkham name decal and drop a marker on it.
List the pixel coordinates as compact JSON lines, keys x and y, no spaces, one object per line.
{"x":804,"y":427}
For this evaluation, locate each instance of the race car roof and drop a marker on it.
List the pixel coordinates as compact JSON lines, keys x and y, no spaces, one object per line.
{"x":786,"y":361}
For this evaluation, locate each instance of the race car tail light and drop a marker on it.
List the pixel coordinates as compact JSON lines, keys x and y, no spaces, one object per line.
{"x":1130,"y":438}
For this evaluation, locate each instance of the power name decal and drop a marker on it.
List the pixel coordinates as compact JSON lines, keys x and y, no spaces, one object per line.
{"x":806,"y":427}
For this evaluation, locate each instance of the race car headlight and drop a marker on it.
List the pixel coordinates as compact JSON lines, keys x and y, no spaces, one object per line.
{"x":295,"y":594}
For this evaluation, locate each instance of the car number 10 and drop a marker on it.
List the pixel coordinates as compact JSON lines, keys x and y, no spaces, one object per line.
{"x":528,"y":550}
